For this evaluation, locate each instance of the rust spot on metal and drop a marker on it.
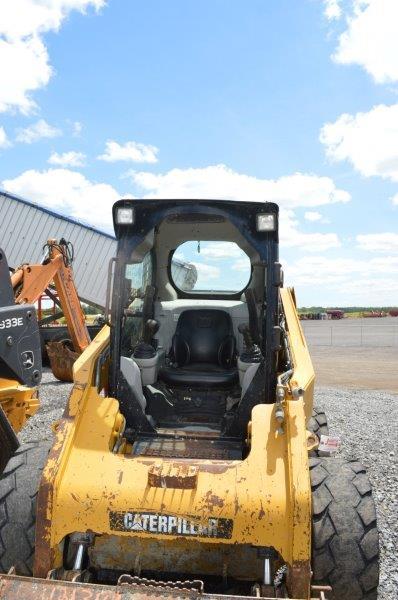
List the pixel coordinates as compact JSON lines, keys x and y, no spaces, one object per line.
{"x":62,"y":359}
{"x":212,"y":501}
{"x":173,"y":475}
{"x":217,"y":468}
{"x":44,"y":554}
{"x":299,"y":579}
{"x":16,"y":588}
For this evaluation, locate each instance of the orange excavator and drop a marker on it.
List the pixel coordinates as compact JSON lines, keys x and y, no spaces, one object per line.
{"x":29,"y":282}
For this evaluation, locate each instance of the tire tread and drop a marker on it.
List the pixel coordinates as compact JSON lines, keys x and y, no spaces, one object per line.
{"x":345,"y":536}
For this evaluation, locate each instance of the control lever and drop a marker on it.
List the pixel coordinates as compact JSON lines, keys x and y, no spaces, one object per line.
{"x":151,"y":327}
{"x":252,"y":352}
{"x":144,"y":348}
{"x":247,"y":338}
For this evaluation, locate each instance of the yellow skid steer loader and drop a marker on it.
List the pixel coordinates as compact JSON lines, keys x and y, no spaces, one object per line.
{"x":186,"y":462}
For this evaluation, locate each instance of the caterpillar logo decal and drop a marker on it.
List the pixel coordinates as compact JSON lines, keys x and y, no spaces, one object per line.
{"x":170,"y":525}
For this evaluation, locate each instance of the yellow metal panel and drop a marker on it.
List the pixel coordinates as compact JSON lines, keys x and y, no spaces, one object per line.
{"x":303,"y":376}
{"x":18,"y":402}
{"x":266,"y":496}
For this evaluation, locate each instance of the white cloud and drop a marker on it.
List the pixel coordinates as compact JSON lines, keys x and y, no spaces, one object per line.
{"x":394,"y":199}
{"x":368,"y":140}
{"x":24,"y":60}
{"x":345,"y":281}
{"x":206,"y":273}
{"x":77,"y":128}
{"x":4,"y":141}
{"x":130,"y":151}
{"x":312,"y":215}
{"x":241,"y":265}
{"x":371,"y":39}
{"x":68,"y":159}
{"x":333,"y":9}
{"x":291,"y":237}
{"x":220,"y":250}
{"x":379,"y":242}
{"x":68,"y":192}
{"x":313,"y":270}
{"x":39,"y":130}
{"x":218,"y":181}
{"x":24,"y":68}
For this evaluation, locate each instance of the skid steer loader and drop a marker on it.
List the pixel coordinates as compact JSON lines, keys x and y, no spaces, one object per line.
{"x":186,"y":461}
{"x":20,"y":365}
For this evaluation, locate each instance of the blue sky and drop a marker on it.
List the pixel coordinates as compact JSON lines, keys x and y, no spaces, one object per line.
{"x":293,"y":101}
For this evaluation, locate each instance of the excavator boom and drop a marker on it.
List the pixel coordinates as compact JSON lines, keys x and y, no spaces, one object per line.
{"x":30,"y":281}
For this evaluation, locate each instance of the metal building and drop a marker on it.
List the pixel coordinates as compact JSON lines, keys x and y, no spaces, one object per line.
{"x":25,"y":227}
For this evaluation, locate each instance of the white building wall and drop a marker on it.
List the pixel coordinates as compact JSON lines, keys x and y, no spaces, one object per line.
{"x":25,"y":227}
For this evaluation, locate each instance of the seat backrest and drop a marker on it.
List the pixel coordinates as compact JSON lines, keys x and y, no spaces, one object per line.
{"x":204,"y":336}
{"x":132,"y":374}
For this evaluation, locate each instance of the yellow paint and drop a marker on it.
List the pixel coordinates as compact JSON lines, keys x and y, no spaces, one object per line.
{"x":303,"y":375}
{"x":18,"y":402}
{"x":267,"y":495}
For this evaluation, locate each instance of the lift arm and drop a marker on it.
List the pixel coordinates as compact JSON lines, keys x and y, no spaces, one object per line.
{"x":30,"y":281}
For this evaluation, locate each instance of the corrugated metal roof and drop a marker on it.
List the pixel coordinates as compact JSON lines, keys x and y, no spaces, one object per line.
{"x":25,"y":227}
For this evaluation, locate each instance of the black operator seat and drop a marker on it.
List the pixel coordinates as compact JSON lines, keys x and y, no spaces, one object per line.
{"x":203,"y":352}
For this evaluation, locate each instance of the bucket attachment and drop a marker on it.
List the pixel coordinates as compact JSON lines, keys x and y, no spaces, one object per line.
{"x":13,"y":587}
{"x":62,"y":358}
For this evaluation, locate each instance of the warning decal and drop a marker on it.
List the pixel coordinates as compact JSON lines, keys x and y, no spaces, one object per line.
{"x":170,"y":525}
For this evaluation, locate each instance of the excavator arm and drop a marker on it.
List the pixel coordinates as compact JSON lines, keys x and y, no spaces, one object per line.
{"x":30,"y":281}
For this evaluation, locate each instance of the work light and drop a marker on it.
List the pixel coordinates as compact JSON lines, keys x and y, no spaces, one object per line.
{"x":266,"y":222}
{"x":125,"y":216}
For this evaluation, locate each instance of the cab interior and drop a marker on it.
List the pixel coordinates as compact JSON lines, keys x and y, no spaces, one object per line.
{"x":191,"y":348}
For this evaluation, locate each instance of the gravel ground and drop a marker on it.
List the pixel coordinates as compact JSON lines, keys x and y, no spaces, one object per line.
{"x":53,"y":396}
{"x":365,"y":420}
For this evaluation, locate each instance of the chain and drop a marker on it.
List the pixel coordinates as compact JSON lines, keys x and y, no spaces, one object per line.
{"x":195,"y":585}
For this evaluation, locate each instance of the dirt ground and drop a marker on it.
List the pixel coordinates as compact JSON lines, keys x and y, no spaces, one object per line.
{"x":359,"y":368}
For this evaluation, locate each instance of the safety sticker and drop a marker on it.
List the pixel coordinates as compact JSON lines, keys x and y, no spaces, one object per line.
{"x":329,"y":444}
{"x":170,"y":525}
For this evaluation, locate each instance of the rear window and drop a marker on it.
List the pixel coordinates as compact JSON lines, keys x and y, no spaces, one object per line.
{"x":210,"y":267}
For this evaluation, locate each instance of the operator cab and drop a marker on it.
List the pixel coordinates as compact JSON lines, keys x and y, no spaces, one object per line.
{"x":194,"y":317}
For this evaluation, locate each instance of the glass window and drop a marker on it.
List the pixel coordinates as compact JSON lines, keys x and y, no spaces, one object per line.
{"x":138,"y":277}
{"x":210,"y":267}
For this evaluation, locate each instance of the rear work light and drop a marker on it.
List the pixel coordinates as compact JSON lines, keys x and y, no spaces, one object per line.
{"x":266,"y":222}
{"x":125,"y":216}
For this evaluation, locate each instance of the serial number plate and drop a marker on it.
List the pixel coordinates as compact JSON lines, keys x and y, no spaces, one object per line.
{"x":13,"y":322}
{"x":170,"y":525}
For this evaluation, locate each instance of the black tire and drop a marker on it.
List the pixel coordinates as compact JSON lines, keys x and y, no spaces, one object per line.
{"x":19,"y":484}
{"x":318,"y":422}
{"x":345,"y":539}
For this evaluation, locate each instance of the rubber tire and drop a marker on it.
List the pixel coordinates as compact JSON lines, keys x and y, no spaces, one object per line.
{"x":318,"y":422}
{"x":19,"y":485}
{"x":345,"y":539}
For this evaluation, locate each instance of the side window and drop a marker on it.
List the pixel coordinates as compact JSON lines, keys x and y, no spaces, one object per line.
{"x":137,"y":277}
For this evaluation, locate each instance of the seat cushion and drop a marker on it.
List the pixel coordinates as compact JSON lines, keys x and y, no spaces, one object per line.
{"x":204,"y":336}
{"x":205,"y":375}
